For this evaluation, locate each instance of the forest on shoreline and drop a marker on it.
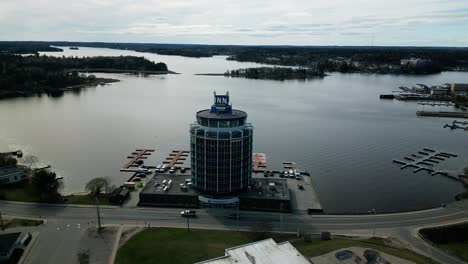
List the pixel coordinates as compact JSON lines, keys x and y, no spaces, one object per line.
{"x":25,"y":75}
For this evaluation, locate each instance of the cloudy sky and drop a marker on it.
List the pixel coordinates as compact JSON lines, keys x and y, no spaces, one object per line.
{"x":293,"y":22}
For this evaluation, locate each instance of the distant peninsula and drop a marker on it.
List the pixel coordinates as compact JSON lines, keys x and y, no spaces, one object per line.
{"x":29,"y":75}
{"x":277,"y":73}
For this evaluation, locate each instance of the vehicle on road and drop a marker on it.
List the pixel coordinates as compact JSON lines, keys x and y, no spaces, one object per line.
{"x":188,"y":213}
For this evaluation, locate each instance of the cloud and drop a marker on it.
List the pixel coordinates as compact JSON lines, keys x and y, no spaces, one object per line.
{"x":300,"y":22}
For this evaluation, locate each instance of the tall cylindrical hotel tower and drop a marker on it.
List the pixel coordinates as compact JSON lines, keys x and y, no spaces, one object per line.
{"x":221,"y":150}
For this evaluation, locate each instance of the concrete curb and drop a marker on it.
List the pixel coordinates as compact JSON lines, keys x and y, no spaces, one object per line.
{"x":116,"y":245}
{"x":433,"y":245}
{"x":44,"y":221}
{"x":67,"y":205}
{"x":34,"y":235}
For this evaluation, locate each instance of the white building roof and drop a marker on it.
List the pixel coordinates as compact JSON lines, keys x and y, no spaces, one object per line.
{"x":261,"y":252}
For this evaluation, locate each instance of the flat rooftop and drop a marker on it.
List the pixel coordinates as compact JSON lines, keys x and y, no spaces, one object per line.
{"x":301,"y":200}
{"x":155,"y":185}
{"x":268,"y":188}
{"x":7,"y":241}
{"x":236,"y":114}
{"x":261,"y":252}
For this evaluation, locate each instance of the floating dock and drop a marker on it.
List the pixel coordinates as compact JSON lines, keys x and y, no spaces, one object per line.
{"x":437,"y":103}
{"x":443,"y":114}
{"x":139,"y":154}
{"x":457,"y":125}
{"x":426,"y":161}
{"x":387,"y":96}
{"x":176,"y":157}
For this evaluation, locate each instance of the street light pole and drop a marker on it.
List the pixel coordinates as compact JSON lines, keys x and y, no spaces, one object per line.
{"x":98,"y":214}
{"x":238,"y":215}
{"x":372,"y":211}
{"x":1,"y":221}
{"x":281,"y":218}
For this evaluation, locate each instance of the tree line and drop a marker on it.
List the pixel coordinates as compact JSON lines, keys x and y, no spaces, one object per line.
{"x":306,"y":56}
{"x":276,"y":73}
{"x":38,"y":74}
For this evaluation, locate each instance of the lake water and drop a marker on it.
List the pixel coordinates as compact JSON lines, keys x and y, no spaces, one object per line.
{"x":336,"y":128}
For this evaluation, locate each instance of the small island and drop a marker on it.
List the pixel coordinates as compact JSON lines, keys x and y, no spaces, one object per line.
{"x":277,"y":73}
{"x":29,"y":75}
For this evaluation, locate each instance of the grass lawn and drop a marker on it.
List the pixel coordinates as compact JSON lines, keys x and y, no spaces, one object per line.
{"x":17,"y":194}
{"x":452,"y":238}
{"x":317,"y":248}
{"x":460,"y":249}
{"x":177,"y":245}
{"x":86,"y":199}
{"x":20,"y":194}
{"x":22,"y":222}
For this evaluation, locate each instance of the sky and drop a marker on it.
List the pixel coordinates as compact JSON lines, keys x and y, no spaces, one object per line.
{"x":243,"y":22}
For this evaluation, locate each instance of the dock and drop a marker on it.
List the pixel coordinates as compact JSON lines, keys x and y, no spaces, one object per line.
{"x":426,"y":161}
{"x":139,"y":154}
{"x":457,"y":125}
{"x":387,"y":96}
{"x":176,"y":157}
{"x":443,"y":114}
{"x":437,"y":103}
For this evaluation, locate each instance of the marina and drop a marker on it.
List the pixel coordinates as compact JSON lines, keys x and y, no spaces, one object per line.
{"x":457,"y":125}
{"x":315,"y":148}
{"x":132,"y":165}
{"x":426,"y":160}
{"x":443,"y":114}
{"x":270,"y":190}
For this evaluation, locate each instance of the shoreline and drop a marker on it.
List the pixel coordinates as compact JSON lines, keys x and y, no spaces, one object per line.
{"x":94,"y":83}
{"x":109,"y":70}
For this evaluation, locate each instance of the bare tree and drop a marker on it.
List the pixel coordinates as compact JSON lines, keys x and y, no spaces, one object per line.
{"x":29,"y":161}
{"x":97,"y":185}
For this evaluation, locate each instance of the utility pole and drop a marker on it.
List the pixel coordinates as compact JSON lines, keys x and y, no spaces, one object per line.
{"x":98,"y":215}
{"x":281,"y":218}
{"x":1,"y":221}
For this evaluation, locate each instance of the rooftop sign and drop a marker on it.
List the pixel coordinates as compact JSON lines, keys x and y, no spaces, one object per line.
{"x":221,"y":104}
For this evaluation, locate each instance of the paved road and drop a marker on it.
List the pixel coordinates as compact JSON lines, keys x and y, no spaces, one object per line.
{"x":399,"y":225}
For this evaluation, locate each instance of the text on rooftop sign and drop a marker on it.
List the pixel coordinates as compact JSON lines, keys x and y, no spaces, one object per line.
{"x":222,"y":99}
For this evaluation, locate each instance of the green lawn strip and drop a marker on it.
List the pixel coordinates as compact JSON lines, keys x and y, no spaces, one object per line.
{"x":22,"y":222}
{"x":317,"y":248}
{"x":86,"y":199}
{"x":177,"y":245}
{"x":459,"y":249}
{"x":20,"y":194}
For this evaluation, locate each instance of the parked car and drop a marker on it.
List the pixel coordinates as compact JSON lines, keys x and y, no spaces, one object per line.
{"x":188,"y":213}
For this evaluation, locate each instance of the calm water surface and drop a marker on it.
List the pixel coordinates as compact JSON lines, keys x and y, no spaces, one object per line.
{"x":336,"y":128}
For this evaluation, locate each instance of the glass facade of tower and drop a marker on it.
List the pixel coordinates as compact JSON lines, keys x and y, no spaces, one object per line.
{"x":221,"y":150}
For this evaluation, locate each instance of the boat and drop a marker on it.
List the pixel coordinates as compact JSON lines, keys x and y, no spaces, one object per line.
{"x":74,"y":48}
{"x":387,"y":96}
